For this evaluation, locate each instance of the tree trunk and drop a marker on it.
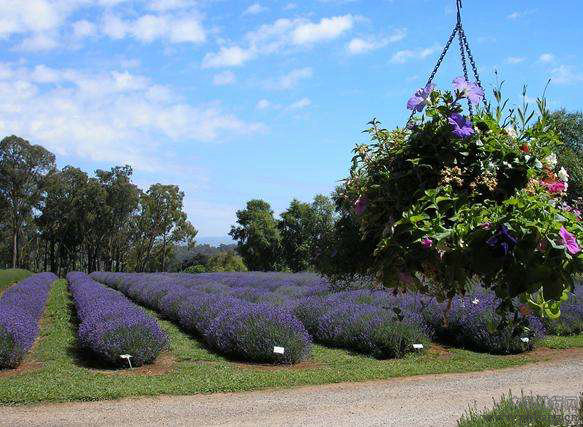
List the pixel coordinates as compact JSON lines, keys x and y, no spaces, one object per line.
{"x":14,"y":248}
{"x":164,"y":254}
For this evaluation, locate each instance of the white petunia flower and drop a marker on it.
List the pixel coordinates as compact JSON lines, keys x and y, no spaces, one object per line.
{"x":527,"y":157}
{"x":538,"y":164}
{"x":511,"y":131}
{"x":551,"y":160}
{"x":563,"y":175}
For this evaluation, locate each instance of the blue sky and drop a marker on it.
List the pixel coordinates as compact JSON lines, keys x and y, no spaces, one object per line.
{"x":234,"y":100}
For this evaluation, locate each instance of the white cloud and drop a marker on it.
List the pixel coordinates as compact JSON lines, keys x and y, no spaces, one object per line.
{"x":263,"y":104}
{"x":301,"y":104}
{"x":227,"y":57}
{"x":515,"y":59}
{"x":254,"y":9}
{"x":281,"y":34}
{"x":546,"y":57}
{"x":164,"y":5}
{"x":326,"y":29}
{"x":38,"y":42}
{"x":114,"y":117}
{"x":83,"y":28}
{"x":403,"y":56}
{"x":359,"y":45}
{"x":225,"y":78}
{"x":147,"y":28}
{"x":565,"y":75}
{"x":291,"y":79}
{"x":520,"y":14}
{"x":290,"y":6}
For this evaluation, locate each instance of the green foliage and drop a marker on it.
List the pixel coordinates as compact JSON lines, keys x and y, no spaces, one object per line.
{"x":259,"y":239}
{"x":23,"y":168}
{"x":193,"y":269}
{"x":570,"y":129}
{"x":225,"y":261}
{"x":305,"y":229}
{"x":440,"y":210}
{"x":527,"y":411}
{"x":11,"y":276}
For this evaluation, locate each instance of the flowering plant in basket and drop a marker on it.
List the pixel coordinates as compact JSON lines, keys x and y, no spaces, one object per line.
{"x":452,"y":198}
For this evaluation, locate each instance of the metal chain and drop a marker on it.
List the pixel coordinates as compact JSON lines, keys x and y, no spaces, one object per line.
{"x":464,"y":48}
{"x":439,"y":61}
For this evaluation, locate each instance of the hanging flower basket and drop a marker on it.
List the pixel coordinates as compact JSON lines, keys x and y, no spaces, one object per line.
{"x":455,"y":197}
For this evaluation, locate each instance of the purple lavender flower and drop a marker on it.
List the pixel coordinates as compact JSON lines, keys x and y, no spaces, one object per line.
{"x":472,"y":91}
{"x":111,"y":325}
{"x":21,"y":307}
{"x":502,"y":242}
{"x":462,"y":127}
{"x":418,"y":101}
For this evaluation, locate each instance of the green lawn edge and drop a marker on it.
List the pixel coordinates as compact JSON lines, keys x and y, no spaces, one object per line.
{"x":55,"y":373}
{"x":11,"y":276}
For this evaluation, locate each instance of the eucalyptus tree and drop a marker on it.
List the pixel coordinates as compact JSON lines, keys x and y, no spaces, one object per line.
{"x":23,"y":169}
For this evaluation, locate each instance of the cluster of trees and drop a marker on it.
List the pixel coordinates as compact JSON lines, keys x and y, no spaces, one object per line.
{"x":296,"y":241}
{"x":62,"y":220}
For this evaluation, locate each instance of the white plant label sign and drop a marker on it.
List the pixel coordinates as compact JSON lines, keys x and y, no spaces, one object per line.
{"x":418,"y":346}
{"x":278,"y":350}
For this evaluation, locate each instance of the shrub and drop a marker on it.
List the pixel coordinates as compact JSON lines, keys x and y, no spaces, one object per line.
{"x":473,"y":323}
{"x":571,"y":320}
{"x":526,"y":411}
{"x":110,"y":325}
{"x":193,"y":269}
{"x":232,"y":326}
{"x":251,"y":331}
{"x":21,"y":307}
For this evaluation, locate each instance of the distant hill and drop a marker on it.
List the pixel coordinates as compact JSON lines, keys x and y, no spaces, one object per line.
{"x":214,"y":241}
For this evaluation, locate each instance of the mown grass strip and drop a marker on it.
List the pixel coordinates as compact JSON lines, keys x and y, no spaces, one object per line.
{"x":64,"y":376}
{"x":11,"y":276}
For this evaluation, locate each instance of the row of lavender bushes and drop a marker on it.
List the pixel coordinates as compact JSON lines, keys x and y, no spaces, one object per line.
{"x":374,"y":322}
{"x":21,"y":307}
{"x":111,"y":326}
{"x":231,"y":326}
{"x":350,"y":319}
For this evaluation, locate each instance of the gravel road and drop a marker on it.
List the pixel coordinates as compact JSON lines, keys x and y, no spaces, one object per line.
{"x":432,"y":400}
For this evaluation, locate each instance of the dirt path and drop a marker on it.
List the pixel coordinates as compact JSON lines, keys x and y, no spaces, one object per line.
{"x":415,"y":401}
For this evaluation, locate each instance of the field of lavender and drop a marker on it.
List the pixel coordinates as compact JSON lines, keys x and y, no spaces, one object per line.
{"x":274,"y":317}
{"x":21,"y":307}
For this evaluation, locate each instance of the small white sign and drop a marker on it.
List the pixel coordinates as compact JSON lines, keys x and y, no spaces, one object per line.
{"x":278,"y":350}
{"x":524,"y":339}
{"x":127,"y":357}
{"x":418,"y":346}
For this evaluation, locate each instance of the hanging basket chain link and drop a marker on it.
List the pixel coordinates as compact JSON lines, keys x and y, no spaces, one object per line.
{"x":464,"y":49}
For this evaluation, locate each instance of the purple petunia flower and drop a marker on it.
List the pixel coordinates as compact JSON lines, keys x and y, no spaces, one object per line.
{"x":418,"y":101}
{"x":462,"y":127}
{"x":502,"y":242}
{"x":569,"y":241}
{"x":472,"y":91}
{"x":360,"y":205}
{"x":426,"y":242}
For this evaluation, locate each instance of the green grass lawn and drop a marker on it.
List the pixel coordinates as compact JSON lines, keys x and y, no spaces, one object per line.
{"x":10,"y":276}
{"x":55,"y":372}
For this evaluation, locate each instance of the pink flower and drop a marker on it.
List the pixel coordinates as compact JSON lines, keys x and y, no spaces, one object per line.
{"x":426,"y":242}
{"x":555,"y":186}
{"x":360,"y":205}
{"x":569,"y":241}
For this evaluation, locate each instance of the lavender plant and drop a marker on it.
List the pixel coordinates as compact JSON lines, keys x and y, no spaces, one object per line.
{"x":21,"y":307}
{"x":111,"y":326}
{"x":210,"y":310}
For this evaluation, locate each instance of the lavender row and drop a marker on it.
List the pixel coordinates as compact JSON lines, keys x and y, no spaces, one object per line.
{"x":111,"y":326}
{"x":236,"y":328}
{"x":21,"y":307}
